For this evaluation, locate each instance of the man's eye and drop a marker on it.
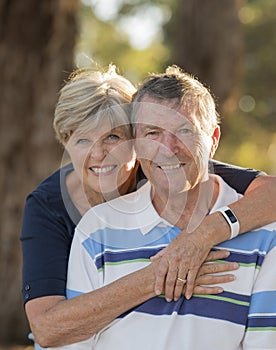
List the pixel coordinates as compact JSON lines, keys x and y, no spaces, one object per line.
{"x":152,"y":133}
{"x":186,"y":131}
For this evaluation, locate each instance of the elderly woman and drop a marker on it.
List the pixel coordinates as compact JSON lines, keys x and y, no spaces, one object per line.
{"x":91,"y":121}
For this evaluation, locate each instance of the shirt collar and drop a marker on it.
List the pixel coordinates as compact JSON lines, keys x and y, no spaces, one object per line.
{"x":226,"y":196}
{"x":150,"y":215}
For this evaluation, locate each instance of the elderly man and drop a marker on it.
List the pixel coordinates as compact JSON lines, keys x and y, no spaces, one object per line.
{"x":177,"y":132}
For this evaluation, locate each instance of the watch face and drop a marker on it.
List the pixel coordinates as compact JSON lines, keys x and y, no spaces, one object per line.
{"x":231,"y":216}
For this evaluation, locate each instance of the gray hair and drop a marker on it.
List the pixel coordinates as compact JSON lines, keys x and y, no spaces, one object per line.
{"x":182,"y":89}
{"x":88,"y":97}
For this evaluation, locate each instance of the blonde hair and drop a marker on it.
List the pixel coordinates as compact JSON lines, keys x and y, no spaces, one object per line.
{"x":184,"y":90}
{"x":89,"y":96}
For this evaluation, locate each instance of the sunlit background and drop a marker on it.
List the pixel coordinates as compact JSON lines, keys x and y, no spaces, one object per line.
{"x":230,"y":45}
{"x":132,"y":34}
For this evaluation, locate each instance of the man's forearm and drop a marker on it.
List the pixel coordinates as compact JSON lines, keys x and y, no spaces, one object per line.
{"x":77,"y":319}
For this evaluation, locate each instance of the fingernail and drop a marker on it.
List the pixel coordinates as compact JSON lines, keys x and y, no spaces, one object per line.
{"x":236,"y":265}
{"x":157,"y":291}
{"x":219,"y":290}
{"x":168,"y":300}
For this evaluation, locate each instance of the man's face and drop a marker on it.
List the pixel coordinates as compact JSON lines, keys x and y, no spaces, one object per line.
{"x":172,"y":149}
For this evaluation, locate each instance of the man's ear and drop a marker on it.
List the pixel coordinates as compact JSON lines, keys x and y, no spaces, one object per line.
{"x":215,"y":139}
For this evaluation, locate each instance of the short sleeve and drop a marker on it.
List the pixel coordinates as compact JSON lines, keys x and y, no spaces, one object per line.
{"x":46,"y":239}
{"x":237,"y":177}
{"x":261,"y":324}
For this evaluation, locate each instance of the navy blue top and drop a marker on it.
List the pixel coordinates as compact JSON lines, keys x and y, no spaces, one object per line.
{"x":49,"y":221}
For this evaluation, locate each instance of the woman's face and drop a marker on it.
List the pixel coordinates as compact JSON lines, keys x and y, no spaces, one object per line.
{"x":103,"y":158}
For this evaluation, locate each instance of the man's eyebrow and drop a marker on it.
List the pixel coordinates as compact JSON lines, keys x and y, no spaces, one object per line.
{"x":186,"y":123}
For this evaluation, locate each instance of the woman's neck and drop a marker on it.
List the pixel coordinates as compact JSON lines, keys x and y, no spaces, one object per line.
{"x":84,"y":198}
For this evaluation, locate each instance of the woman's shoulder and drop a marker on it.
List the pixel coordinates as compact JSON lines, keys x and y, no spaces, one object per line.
{"x":53,"y":187}
{"x":50,"y":195}
{"x":237,"y":177}
{"x":49,"y":201}
{"x":217,"y":166}
{"x":49,"y":189}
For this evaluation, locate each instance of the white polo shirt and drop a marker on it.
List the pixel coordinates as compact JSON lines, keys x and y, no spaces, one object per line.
{"x":119,"y":237}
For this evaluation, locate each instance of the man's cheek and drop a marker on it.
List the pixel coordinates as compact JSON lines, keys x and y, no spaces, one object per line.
{"x":145,"y":148}
{"x":202,"y":160}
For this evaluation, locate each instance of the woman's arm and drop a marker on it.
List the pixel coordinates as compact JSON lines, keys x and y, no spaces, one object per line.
{"x":186,"y":252}
{"x":45,"y":242}
{"x":56,"y":321}
{"x":258,"y":207}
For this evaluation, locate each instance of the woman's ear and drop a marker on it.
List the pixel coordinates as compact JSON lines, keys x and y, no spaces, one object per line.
{"x":66,"y":138}
{"x":215,"y":139}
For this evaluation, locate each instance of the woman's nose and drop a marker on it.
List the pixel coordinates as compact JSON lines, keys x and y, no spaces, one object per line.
{"x":97,"y":151}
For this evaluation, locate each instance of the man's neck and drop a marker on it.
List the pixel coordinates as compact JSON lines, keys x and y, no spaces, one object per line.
{"x":187,"y":209}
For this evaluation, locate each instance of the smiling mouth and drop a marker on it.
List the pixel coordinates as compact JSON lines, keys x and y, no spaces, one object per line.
{"x":171,"y":166}
{"x":102,"y":170}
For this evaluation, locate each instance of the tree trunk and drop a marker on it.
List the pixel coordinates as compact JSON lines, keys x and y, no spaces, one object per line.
{"x":205,"y":40}
{"x":37,"y":39}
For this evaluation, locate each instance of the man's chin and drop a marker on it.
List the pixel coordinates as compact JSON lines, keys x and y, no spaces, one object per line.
{"x":172,"y":190}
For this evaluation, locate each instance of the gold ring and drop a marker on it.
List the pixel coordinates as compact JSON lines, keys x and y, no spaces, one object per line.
{"x":181,"y":280}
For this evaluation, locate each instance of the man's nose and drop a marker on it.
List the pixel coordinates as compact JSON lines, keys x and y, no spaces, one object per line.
{"x":169,"y":144}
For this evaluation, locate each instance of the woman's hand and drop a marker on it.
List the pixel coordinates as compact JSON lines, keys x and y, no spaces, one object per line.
{"x":183,"y":259}
{"x":207,"y":273}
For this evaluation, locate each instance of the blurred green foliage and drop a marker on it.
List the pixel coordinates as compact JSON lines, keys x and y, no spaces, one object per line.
{"x":106,"y":41}
{"x":251,"y":117}
{"x":251,"y":137}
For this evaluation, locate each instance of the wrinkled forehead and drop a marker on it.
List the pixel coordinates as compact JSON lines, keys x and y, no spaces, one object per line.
{"x":168,"y":115}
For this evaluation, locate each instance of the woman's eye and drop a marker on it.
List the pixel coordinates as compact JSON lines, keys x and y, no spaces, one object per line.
{"x":112,"y":138}
{"x":82,"y":141}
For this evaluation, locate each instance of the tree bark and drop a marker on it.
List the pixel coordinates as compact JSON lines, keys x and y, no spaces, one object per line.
{"x":205,"y":39}
{"x":37,"y":40}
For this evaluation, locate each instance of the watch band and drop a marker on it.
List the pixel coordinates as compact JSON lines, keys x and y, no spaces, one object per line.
{"x":231,"y":219}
